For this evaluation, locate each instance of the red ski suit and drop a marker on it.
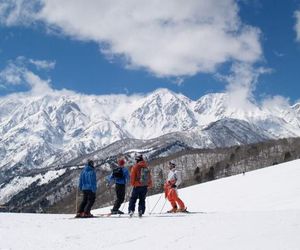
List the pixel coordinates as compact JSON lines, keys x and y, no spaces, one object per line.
{"x":170,"y":188}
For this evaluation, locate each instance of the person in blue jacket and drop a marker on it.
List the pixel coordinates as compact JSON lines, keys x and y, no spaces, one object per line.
{"x":88,"y":185}
{"x":120,"y":176}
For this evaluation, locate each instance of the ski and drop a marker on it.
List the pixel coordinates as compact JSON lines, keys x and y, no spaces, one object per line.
{"x":139,"y":215}
{"x":182,"y":213}
{"x":112,"y":215}
{"x":104,"y":215}
{"x":163,"y":214}
{"x":100,"y":216}
{"x":83,"y":218}
{"x":166,"y":215}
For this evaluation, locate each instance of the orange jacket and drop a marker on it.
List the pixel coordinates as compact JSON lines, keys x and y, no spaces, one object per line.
{"x":135,"y":174}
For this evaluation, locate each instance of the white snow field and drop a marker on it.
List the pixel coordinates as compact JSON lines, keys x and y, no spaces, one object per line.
{"x":258,"y":210}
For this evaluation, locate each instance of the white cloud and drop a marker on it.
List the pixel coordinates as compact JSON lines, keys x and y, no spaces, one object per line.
{"x":271,"y":103}
{"x":15,"y":12}
{"x":17,"y":73}
{"x":43,"y":64}
{"x":278,"y":54}
{"x":170,"y":38}
{"x":38,"y":85}
{"x":12,"y":74}
{"x":297,"y":26}
{"x":242,"y":83}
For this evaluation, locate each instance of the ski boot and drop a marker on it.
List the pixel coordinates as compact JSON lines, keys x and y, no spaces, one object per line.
{"x":173,"y":210}
{"x":182,"y":210}
{"x":113,"y":211}
{"x":79,"y":215}
{"x":87,"y":215}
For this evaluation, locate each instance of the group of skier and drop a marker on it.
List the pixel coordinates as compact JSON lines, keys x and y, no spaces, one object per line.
{"x":139,"y":178}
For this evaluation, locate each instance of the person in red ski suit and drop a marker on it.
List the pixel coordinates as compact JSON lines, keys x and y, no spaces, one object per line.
{"x":170,"y":188}
{"x":140,"y":180}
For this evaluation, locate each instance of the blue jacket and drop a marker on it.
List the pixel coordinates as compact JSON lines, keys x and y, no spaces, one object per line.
{"x":87,"y":180}
{"x":123,"y":180}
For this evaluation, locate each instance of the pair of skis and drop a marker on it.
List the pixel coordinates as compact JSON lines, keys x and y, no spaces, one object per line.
{"x":166,"y":214}
{"x":130,"y":215}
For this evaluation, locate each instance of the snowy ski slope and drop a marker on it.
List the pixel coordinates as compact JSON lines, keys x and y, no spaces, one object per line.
{"x":258,"y":210}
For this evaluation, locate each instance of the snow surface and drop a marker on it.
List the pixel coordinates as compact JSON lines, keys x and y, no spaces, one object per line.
{"x":258,"y":210}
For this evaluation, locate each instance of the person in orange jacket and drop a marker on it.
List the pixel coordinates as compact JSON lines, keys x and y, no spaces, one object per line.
{"x":140,"y":179}
{"x":170,"y":188}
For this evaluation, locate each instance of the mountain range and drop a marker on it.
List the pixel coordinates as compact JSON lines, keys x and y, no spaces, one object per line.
{"x":39,"y":131}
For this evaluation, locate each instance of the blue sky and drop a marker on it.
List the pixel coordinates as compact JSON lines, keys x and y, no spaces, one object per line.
{"x":207,"y":47}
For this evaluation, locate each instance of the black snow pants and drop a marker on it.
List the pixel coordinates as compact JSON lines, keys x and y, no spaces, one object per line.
{"x":88,"y":200}
{"x":120,"y":192}
{"x":138,"y":193}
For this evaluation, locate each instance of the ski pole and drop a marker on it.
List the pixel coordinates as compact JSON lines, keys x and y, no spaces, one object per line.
{"x":127,"y":196}
{"x":163,"y":206}
{"x":123,"y":206}
{"x":76,"y":200}
{"x":156,"y":203}
{"x":148,"y":203}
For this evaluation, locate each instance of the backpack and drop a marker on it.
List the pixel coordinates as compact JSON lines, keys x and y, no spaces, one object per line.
{"x":145,"y":176}
{"x":118,"y":172}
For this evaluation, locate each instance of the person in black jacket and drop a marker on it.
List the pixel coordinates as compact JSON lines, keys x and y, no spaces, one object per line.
{"x":120,"y":176}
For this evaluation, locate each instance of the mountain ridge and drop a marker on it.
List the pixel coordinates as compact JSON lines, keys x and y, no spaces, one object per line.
{"x":36,"y":131}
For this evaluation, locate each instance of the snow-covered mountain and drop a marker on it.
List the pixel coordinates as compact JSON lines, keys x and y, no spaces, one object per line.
{"x":258,"y":210}
{"x":38,"y":131}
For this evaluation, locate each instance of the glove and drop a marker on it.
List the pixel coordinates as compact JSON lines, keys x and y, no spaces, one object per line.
{"x":173,"y":186}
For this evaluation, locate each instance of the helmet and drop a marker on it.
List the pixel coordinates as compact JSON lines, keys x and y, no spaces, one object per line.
{"x":139,"y":157}
{"x":121,"y":162}
{"x":172,"y":164}
{"x":91,"y":163}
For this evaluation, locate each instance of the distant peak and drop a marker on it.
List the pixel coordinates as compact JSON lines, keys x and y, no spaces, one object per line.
{"x":296,"y":106}
{"x":163,"y":91}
